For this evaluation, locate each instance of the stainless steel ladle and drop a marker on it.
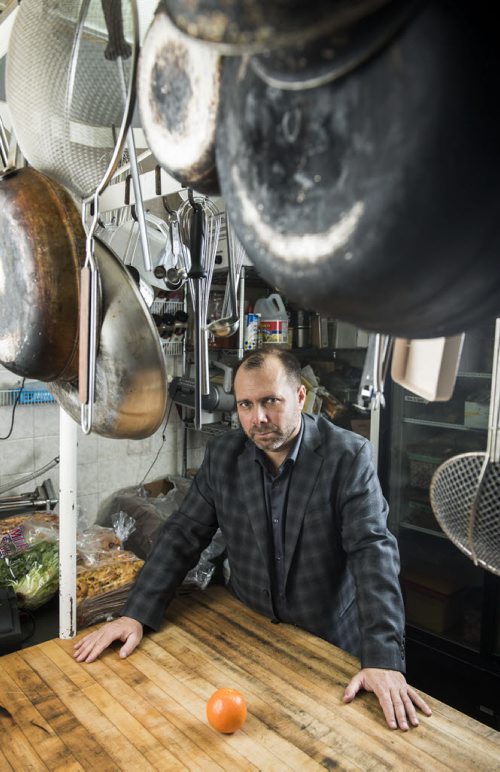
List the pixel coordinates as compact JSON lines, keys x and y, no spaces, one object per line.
{"x":228,"y":325}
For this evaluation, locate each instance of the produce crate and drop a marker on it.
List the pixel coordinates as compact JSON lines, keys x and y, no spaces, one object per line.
{"x":32,"y":395}
{"x":35,"y":396}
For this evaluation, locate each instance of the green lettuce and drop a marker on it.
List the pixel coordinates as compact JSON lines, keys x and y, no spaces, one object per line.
{"x":33,"y":574}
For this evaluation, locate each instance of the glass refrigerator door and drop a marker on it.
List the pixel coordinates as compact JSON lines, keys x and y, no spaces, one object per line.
{"x":444,"y":591}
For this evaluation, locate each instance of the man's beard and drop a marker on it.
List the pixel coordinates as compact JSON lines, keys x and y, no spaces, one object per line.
{"x":274,"y":441}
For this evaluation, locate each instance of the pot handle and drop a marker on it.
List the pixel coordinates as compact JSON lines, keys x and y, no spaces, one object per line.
{"x":88,"y":338}
{"x":83,"y":356}
{"x":197,"y":274}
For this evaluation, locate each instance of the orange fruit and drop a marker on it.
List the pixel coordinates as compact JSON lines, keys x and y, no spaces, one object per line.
{"x":226,"y":710}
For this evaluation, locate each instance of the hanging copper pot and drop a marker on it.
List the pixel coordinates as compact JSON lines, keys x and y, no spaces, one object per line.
{"x":42,"y":247}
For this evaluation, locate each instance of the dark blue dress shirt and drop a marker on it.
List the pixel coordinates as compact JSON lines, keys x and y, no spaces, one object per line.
{"x":276,"y":486}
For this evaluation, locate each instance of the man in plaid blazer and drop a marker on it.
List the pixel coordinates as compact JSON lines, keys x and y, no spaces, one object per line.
{"x":301,"y":510}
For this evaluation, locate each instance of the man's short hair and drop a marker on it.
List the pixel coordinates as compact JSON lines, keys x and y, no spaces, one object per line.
{"x":254,"y":360}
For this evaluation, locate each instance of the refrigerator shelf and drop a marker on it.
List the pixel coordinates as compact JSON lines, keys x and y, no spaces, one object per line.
{"x":440,"y":425}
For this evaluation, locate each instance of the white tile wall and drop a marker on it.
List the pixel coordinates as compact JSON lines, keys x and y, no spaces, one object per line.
{"x":104,"y":465}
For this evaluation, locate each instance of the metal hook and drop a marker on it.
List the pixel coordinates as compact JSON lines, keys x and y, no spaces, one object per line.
{"x":167,"y":208}
{"x":158,"y":180}
{"x":127,"y":189}
{"x":191,"y":197}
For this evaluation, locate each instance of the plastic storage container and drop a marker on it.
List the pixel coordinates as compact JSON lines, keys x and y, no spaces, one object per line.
{"x":273,"y":325}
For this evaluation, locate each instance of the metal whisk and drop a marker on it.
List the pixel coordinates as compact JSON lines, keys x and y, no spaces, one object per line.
{"x":200,"y":223}
{"x":465,"y":489}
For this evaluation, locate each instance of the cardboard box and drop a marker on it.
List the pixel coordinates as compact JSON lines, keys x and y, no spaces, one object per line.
{"x":434,"y":603}
{"x":361,"y":426}
{"x":476,"y":415}
{"x":159,"y":487}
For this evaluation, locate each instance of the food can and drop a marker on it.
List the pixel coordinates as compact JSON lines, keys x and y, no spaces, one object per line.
{"x":251,"y":331}
{"x":273,"y":332}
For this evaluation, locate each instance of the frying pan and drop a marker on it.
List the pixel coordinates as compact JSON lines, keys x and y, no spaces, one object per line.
{"x":42,"y":247}
{"x":131,"y":378}
{"x":375,"y":198}
{"x":178,"y":95}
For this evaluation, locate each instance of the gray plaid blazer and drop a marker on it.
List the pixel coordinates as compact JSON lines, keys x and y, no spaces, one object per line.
{"x":341,"y":562}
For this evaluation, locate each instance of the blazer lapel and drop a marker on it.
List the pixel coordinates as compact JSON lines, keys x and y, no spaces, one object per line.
{"x":249,"y":473}
{"x":302,"y":485}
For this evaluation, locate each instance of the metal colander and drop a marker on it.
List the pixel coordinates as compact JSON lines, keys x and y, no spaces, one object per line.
{"x":66,"y":97}
{"x":465,"y":489}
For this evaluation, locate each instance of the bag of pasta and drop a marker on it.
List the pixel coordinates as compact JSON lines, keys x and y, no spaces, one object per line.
{"x":102,"y":588}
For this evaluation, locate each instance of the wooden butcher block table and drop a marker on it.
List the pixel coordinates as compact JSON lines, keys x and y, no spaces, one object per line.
{"x":148,"y":712}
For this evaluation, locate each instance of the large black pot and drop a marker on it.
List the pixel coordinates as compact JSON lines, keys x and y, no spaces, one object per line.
{"x":237,"y":26}
{"x":376,"y":198}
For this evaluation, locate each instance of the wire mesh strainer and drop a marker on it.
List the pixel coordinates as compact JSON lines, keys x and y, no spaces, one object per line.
{"x":65,"y":96}
{"x":465,"y":489}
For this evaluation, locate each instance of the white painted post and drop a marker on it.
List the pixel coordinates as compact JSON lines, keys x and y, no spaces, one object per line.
{"x":68,"y":447}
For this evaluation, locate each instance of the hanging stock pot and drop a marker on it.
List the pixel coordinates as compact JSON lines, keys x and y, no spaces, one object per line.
{"x":374,"y":198}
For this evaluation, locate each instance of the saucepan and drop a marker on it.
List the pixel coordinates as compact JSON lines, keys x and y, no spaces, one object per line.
{"x":131,"y":378}
{"x":374,"y":198}
{"x":178,"y":93}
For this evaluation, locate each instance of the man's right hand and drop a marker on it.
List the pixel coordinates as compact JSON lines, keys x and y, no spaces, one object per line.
{"x":125,"y":629}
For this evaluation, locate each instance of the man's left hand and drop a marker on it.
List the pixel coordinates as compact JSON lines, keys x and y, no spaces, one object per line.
{"x":398,"y":700}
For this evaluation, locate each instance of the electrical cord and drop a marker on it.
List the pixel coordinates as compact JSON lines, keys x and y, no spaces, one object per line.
{"x":18,"y":397}
{"x":162,"y":441}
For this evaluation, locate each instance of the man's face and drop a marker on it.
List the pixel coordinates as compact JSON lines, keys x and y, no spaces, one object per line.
{"x":269,"y":405}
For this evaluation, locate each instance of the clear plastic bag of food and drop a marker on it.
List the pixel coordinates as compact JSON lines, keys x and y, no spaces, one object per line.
{"x":33,"y":573}
{"x":95,"y":543}
{"x":102,"y":589}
